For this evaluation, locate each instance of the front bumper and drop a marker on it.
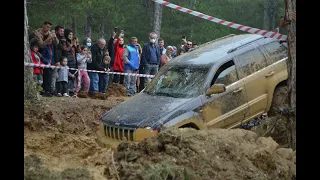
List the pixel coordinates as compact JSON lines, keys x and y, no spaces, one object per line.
{"x":125,"y":133}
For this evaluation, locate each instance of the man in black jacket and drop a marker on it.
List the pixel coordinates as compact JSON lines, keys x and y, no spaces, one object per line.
{"x":150,"y":59}
{"x":98,"y":51}
{"x":111,"y":54}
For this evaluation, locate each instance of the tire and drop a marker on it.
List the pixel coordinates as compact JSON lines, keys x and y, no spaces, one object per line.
{"x":280,"y":99}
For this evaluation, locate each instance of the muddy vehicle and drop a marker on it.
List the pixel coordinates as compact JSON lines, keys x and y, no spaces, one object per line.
{"x":221,"y":84}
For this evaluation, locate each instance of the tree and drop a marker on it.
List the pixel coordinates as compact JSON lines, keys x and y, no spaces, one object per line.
{"x":30,"y":92}
{"x":291,"y":28}
{"x":89,"y":25}
{"x":270,"y":12}
{"x":101,"y":30}
{"x":73,"y":25}
{"x":157,"y":18}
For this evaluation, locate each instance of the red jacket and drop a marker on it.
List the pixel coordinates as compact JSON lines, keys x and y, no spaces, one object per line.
{"x":118,"y":53}
{"x":36,"y":70}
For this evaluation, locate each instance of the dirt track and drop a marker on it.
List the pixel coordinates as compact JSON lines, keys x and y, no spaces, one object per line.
{"x":60,"y":143}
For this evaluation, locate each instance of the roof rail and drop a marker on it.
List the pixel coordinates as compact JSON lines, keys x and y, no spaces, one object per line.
{"x":224,"y":37}
{"x":236,"y":48}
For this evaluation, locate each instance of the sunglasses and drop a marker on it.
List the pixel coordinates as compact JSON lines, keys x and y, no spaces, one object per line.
{"x":189,"y":44}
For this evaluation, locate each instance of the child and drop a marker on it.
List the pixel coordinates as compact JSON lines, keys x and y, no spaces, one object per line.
{"x":62,"y":81}
{"x":37,"y":71}
{"x":83,"y":58}
{"x":103,"y":77}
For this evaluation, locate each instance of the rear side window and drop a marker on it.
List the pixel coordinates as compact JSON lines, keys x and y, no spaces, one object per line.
{"x":276,"y":51}
{"x":250,"y":62}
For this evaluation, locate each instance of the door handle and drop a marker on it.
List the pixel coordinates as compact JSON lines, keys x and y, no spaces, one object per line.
{"x":270,"y":74}
{"x":238,"y":90}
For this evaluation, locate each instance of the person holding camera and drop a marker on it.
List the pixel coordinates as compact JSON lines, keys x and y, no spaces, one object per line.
{"x":118,"y":65}
{"x":70,"y":48}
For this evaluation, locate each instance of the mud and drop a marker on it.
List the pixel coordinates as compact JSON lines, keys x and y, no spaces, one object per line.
{"x":116,"y":90}
{"x":214,"y":154}
{"x":60,"y":142}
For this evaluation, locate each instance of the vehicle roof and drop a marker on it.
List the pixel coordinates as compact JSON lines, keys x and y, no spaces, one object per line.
{"x":214,"y":51}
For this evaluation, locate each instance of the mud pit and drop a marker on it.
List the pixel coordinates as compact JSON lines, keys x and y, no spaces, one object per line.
{"x":60,"y":143}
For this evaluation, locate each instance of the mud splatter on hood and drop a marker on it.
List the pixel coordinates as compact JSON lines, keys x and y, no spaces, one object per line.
{"x":142,"y":110}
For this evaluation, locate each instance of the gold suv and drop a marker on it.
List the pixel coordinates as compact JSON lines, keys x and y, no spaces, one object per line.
{"x":221,"y":84}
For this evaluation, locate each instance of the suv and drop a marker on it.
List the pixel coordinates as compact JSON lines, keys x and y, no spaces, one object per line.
{"x":221,"y":84}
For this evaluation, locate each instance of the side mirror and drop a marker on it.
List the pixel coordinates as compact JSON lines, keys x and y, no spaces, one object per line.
{"x":216,"y":89}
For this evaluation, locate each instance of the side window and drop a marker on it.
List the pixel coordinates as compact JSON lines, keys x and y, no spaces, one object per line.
{"x":226,"y":74}
{"x":276,"y":51}
{"x":251,"y":61}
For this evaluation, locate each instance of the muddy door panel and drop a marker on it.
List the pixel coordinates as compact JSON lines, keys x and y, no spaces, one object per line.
{"x":255,"y":73}
{"x":228,"y":109}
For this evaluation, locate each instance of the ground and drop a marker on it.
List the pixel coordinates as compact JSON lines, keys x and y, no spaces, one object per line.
{"x":60,"y":142}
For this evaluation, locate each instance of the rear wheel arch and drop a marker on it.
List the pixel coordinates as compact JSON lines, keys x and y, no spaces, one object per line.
{"x":279,"y":96}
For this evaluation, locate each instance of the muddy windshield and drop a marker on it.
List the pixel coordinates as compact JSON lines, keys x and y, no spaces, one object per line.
{"x":179,"y":82}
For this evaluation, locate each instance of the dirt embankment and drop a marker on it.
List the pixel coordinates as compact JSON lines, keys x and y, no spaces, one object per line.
{"x":61,"y":143}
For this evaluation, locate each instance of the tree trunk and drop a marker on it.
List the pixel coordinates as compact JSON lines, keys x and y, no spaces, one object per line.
{"x":291,"y":28}
{"x":101,"y":30}
{"x":89,"y":25}
{"x":73,"y":25}
{"x":30,"y":91}
{"x":157,"y":18}
{"x":270,"y":12}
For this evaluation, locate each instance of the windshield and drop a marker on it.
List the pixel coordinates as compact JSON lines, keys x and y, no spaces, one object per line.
{"x":179,"y":82}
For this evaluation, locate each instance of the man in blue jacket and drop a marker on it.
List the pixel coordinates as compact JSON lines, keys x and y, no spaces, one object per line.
{"x":150,"y":59}
{"x":131,"y":65}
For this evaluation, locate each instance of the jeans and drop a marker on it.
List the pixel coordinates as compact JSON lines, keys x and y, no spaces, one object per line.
{"x":130,"y":82}
{"x":103,"y":82}
{"x":47,"y":78}
{"x":82,"y":76}
{"x":62,"y":87}
{"x":54,"y":79}
{"x":94,"y":80}
{"x":150,"y":69}
{"x":118,"y":78}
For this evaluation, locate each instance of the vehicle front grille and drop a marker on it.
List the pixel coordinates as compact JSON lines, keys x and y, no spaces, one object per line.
{"x":119,"y":133}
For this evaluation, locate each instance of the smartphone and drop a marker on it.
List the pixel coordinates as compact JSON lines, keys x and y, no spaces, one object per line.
{"x":115,"y":29}
{"x":183,"y":37}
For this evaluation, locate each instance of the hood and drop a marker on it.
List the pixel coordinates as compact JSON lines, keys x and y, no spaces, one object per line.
{"x":143,"y":110}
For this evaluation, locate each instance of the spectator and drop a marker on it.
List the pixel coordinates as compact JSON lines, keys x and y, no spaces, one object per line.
{"x":87,"y":41}
{"x":161,"y":45}
{"x":83,"y":58}
{"x":48,"y":55}
{"x":111,"y":43}
{"x":131,"y":61}
{"x":165,"y":58}
{"x":150,"y":59}
{"x":187,"y":44}
{"x":36,"y":58}
{"x":98,"y":51}
{"x":42,"y":35}
{"x":182,"y":51}
{"x":62,"y":81}
{"x":104,"y":77}
{"x":118,"y":65}
{"x":70,"y":49}
{"x":59,"y":31}
{"x":174,"y":53}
